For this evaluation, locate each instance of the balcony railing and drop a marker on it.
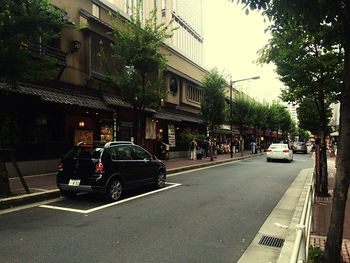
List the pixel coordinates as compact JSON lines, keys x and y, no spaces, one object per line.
{"x":39,"y":49}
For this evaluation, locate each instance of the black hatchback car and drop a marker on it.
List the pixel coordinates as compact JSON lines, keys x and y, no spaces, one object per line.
{"x":108,"y":168}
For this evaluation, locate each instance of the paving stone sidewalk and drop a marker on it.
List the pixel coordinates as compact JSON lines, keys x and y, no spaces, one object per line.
{"x":322,"y":213}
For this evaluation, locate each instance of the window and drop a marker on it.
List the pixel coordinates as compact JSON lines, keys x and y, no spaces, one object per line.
{"x":102,"y":61}
{"x":139,"y":154}
{"x":163,"y":10}
{"x":194,"y":93}
{"x":120,"y":153}
{"x":95,"y":10}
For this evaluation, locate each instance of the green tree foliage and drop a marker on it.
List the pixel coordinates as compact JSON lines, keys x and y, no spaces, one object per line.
{"x":241,"y":111}
{"x":304,"y":135}
{"x":23,"y":23}
{"x":309,"y":68}
{"x":309,"y":117}
{"x":310,"y":16}
{"x":213,"y":101}
{"x":136,"y":51}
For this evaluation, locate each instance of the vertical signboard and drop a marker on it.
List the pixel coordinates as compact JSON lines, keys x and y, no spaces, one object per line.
{"x":171,"y":135}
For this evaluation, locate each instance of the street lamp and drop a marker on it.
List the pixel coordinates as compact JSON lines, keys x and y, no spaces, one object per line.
{"x":231,"y":83}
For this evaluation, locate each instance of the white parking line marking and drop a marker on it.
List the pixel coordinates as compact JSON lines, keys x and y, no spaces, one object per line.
{"x":172,"y":185}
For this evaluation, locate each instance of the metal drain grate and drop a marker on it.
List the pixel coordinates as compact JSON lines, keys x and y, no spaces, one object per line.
{"x":271,"y":241}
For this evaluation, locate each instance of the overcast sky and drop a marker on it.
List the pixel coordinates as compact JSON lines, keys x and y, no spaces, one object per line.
{"x":231,"y":42}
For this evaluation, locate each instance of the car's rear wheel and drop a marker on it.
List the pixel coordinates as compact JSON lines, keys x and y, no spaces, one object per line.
{"x":114,"y":190}
{"x":161,"y":179}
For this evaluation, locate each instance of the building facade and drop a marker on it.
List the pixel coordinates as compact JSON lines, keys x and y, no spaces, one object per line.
{"x":79,"y":105}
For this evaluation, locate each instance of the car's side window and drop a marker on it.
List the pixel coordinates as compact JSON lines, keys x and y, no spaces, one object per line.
{"x":138,"y":153}
{"x":120,"y":153}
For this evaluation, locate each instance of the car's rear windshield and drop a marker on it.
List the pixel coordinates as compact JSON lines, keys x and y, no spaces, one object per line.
{"x":278,"y":146}
{"x":84,"y":153}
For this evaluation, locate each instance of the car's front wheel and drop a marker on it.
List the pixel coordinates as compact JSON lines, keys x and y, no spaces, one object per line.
{"x":114,"y":190}
{"x":161,"y":179}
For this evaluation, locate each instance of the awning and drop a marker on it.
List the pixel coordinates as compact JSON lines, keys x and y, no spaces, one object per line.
{"x":73,"y":97}
{"x":178,"y":116}
{"x":116,"y":102}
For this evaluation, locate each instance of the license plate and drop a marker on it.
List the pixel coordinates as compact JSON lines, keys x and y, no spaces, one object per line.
{"x":74,"y":182}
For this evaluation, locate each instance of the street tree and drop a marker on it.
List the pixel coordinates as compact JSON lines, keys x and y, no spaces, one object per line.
{"x":139,"y":62}
{"x":308,"y":116}
{"x":213,"y":101}
{"x":25,"y":27}
{"x":241,"y":115}
{"x":256,"y":116}
{"x":310,"y":15}
{"x":272,"y":119}
{"x":262,"y":120}
{"x":310,"y":69}
{"x":285,"y":122}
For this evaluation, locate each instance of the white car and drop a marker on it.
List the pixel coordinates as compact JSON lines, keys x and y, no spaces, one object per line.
{"x":279,"y":151}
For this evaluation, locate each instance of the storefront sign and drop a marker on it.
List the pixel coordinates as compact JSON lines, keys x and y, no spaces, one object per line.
{"x":171,"y":135}
{"x":150,"y":129}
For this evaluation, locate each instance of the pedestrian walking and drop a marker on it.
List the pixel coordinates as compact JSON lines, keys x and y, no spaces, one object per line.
{"x":205,"y":149}
{"x":253,"y":147}
{"x":193,"y":149}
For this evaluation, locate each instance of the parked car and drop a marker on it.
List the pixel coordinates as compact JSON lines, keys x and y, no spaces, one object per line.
{"x":108,"y":168}
{"x":300,"y":147}
{"x":279,"y":151}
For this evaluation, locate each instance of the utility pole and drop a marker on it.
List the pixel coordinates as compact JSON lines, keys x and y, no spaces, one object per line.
{"x":231,"y":146}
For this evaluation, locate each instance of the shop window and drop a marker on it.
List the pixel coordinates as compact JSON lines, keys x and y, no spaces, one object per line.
{"x":106,"y":133}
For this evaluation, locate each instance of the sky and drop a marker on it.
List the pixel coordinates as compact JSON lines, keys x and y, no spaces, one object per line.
{"x":231,"y":42}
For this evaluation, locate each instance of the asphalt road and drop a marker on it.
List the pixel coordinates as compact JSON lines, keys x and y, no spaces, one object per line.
{"x":211,"y":217}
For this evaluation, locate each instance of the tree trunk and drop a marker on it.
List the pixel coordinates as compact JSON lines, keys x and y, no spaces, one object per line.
{"x":241,"y":141}
{"x":324,"y":168}
{"x":4,"y":180}
{"x":323,"y":146}
{"x":342,"y":179}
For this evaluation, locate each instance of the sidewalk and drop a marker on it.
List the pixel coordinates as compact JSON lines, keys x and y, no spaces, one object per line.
{"x":322,"y":213}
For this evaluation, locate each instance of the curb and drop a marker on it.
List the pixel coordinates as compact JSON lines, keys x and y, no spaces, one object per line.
{"x":14,"y":201}
{"x":28,"y":198}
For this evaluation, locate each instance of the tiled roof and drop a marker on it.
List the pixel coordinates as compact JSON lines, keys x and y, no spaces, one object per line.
{"x":61,"y":96}
{"x":114,"y":101}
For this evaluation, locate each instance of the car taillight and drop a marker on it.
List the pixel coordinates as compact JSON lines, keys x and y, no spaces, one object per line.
{"x":99,"y":168}
{"x":269,"y":150}
{"x":60,"y":167}
{"x":286,"y":151}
